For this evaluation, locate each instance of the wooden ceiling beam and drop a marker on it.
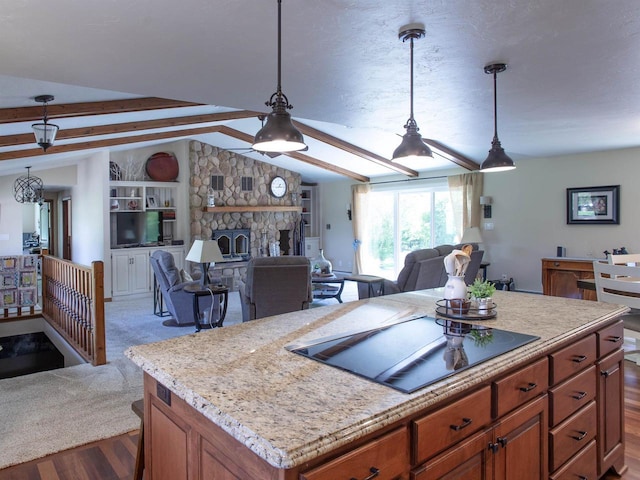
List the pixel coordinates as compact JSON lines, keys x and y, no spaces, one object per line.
{"x":353,"y":149}
{"x":245,"y":137}
{"x":97,"y":144}
{"x":453,"y":156}
{"x":30,"y":114}
{"x":117,"y":128}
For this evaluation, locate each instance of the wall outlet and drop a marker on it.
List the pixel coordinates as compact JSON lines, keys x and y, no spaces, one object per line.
{"x":488,"y":225}
{"x":505,"y":277}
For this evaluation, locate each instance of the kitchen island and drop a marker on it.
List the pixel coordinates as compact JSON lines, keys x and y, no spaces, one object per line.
{"x":234,"y":403}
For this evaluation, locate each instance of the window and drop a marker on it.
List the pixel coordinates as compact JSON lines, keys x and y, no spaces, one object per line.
{"x":402,"y":220}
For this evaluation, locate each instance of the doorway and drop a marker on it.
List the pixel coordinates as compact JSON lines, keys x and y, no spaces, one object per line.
{"x":66,"y":228}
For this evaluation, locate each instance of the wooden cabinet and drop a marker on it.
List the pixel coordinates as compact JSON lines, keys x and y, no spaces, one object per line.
{"x":560,"y":276}
{"x":586,"y":403}
{"x":558,"y":417}
{"x":129,"y":272}
{"x":610,"y":413}
{"x":513,"y":447}
{"x":385,"y":458}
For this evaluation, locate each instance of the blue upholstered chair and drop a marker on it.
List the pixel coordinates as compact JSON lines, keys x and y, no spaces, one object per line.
{"x":178,"y":302}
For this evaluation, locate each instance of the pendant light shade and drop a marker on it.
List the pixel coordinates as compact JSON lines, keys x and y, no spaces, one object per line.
{"x":497,"y":160}
{"x":279,"y":134}
{"x":28,"y":189}
{"x":412,"y":145}
{"x":44,"y":132}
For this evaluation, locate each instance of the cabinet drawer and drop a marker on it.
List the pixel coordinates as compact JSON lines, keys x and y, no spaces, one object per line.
{"x":387,"y":455}
{"x":572,"y":359}
{"x":449,"y":425}
{"x":572,"y":435}
{"x":610,"y":338}
{"x":520,"y":387}
{"x":583,"y":465}
{"x":572,"y":395}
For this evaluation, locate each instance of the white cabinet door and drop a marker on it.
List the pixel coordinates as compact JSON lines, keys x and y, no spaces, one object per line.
{"x":139,"y":272}
{"x":120,"y":273}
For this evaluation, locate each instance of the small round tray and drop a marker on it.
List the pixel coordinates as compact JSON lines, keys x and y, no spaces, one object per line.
{"x":473,"y":313}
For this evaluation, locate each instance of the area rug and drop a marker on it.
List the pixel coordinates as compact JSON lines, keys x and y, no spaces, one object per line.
{"x":48,"y":412}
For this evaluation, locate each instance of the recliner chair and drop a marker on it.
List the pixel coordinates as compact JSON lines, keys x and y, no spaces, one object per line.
{"x":178,"y":302}
{"x":275,"y":285}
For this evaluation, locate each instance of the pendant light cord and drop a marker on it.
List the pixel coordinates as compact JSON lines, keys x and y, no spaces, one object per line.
{"x":279,"y":90}
{"x":495,"y":105}
{"x":411,"y":82}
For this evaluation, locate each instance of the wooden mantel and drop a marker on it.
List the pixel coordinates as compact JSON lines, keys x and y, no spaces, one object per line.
{"x":254,"y":208}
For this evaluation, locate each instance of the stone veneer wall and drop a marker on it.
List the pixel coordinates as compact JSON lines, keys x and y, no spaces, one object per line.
{"x":206,"y":160}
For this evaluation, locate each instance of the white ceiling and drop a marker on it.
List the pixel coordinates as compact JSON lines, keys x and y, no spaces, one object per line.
{"x":571,"y":86}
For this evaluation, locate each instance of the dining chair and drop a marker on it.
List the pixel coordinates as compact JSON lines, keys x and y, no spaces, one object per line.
{"x":624,"y":259}
{"x":621,"y":284}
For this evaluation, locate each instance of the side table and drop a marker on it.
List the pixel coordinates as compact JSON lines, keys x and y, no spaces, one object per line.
{"x":198,"y":291}
{"x":322,"y":286}
{"x":376,"y":284}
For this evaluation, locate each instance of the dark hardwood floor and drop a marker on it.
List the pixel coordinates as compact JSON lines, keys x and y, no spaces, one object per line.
{"x":114,"y":458}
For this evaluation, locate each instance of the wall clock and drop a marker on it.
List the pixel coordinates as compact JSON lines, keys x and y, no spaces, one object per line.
{"x":278,"y":187}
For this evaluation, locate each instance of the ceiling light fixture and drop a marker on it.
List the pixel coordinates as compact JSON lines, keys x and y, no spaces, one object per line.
{"x":45,"y":132}
{"x":279,"y":134}
{"x":412,"y":145}
{"x":497,"y":160}
{"x":28,"y":189}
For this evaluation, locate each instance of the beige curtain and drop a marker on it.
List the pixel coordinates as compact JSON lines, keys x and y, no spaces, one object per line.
{"x":358,"y":216}
{"x":465,"y":191}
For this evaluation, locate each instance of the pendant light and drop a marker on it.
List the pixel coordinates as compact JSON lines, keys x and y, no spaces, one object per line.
{"x":497,"y":160}
{"x":28,"y":189}
{"x":412,"y":145}
{"x":45,"y":132}
{"x":279,"y":134}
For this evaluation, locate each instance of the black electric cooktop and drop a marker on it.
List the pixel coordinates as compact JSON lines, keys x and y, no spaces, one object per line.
{"x":414,"y":353}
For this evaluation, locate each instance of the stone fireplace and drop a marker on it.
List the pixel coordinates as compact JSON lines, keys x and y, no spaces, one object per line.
{"x":235,"y":244}
{"x":261,"y":227}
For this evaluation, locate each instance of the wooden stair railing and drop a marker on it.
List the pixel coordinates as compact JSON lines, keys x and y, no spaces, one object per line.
{"x":73,"y":304}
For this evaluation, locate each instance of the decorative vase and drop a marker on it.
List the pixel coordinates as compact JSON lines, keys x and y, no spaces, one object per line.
{"x":454,"y":288}
{"x":322,"y":265}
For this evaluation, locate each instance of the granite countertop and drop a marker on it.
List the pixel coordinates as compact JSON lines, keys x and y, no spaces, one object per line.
{"x":289,"y":409}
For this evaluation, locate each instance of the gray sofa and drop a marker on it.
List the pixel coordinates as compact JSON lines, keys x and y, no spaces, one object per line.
{"x":425,"y":269}
{"x":178,"y":302}
{"x":275,"y":285}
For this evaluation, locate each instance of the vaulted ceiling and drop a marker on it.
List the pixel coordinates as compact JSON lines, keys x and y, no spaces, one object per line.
{"x":571,"y":85}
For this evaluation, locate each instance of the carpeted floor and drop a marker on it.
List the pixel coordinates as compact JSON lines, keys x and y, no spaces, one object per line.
{"x":52,"y":411}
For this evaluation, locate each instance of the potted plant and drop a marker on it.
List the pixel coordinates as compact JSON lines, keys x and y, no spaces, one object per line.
{"x":481,"y":292}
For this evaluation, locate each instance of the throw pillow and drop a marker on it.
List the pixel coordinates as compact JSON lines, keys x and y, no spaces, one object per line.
{"x":184,"y":275}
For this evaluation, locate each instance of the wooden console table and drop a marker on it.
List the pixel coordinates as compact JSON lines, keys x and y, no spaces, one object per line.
{"x":560,"y":277}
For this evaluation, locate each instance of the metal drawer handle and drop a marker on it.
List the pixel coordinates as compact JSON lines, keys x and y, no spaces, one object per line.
{"x":580,"y":395}
{"x":579,"y":358}
{"x":615,"y":339}
{"x":374,"y":473}
{"x":465,"y":423}
{"x":528,"y":388}
{"x":581,"y":436}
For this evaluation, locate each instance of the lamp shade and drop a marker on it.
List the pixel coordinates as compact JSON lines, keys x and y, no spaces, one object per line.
{"x":279,"y":133}
{"x":45,"y":134}
{"x":411,"y":146}
{"x":471,"y":235}
{"x":205,"y":251}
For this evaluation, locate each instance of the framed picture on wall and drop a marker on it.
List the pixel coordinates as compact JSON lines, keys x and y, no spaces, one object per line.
{"x":593,"y":205}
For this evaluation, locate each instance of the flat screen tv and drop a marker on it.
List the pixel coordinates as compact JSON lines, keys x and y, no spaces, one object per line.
{"x":130,"y":229}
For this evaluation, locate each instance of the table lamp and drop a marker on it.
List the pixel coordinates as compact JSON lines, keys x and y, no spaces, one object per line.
{"x":206,"y":253}
{"x":471,"y":235}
